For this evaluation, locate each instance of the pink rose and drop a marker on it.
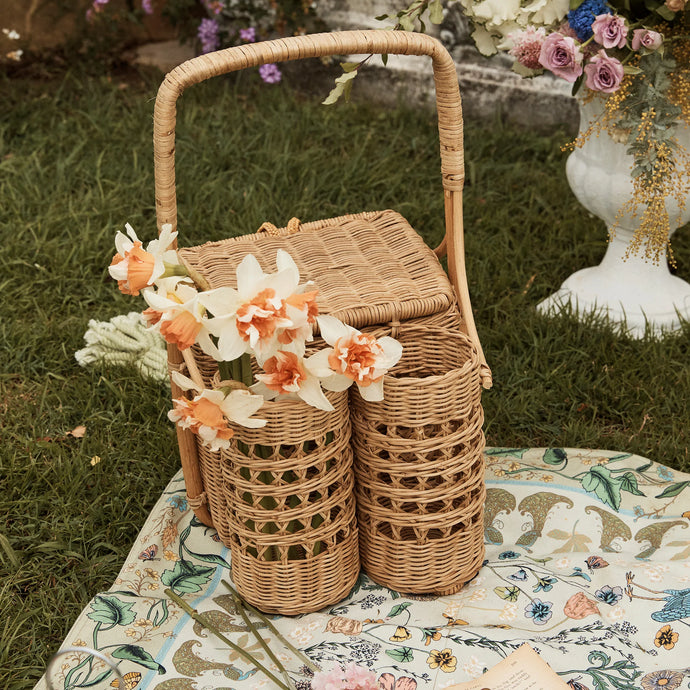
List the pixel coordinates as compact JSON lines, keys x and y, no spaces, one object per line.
{"x":644,"y":38}
{"x":610,"y":30}
{"x":603,"y":73}
{"x":561,"y":55}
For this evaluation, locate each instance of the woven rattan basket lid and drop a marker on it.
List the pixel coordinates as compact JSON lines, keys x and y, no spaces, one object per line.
{"x":369,"y":268}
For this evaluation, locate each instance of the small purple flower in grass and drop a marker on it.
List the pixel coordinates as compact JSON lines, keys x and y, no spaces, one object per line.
{"x":539,"y":611}
{"x":207,"y":33}
{"x":147,"y":6}
{"x":248,"y":35}
{"x":270,"y":73}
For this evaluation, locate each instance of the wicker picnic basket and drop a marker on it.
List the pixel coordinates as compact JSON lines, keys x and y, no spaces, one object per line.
{"x":419,"y":467}
{"x":373,"y":271}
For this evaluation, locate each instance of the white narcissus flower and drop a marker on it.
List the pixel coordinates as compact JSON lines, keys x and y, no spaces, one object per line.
{"x":136,"y":268}
{"x":180,"y":316}
{"x":287,"y":374}
{"x":208,"y":413}
{"x":252,"y":318}
{"x":495,"y":20}
{"x":353,"y":357}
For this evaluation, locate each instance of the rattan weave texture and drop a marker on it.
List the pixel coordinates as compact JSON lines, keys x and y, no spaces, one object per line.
{"x":369,"y":268}
{"x":419,"y":467}
{"x":289,"y":489}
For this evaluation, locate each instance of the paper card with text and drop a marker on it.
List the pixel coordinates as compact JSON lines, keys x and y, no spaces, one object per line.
{"x":524,"y":669}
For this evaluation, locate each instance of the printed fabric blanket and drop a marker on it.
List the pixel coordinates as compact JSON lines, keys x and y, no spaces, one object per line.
{"x":587,"y":559}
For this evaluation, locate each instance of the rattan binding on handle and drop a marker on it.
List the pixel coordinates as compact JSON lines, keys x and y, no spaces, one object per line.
{"x":448,"y":104}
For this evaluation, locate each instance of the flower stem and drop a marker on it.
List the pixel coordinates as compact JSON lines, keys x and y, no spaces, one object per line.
{"x":242,"y":611}
{"x":303,"y":657}
{"x":212,"y":628}
{"x":246,"y":375}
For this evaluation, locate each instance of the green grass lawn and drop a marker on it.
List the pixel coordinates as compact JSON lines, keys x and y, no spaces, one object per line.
{"x":76,"y":164}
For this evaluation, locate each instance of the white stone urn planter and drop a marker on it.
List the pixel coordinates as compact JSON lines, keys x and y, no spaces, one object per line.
{"x":633,"y":293}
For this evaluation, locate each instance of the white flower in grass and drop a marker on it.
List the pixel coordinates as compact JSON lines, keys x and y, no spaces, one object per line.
{"x":287,"y":374}
{"x":136,"y":268}
{"x":253,"y":317}
{"x":353,"y":357}
{"x":177,"y":312}
{"x":208,"y":413}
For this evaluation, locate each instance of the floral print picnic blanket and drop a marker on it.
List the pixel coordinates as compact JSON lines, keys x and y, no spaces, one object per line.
{"x":587,"y":560}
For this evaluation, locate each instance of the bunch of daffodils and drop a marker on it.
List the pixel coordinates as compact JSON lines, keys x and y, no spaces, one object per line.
{"x":269,"y":316}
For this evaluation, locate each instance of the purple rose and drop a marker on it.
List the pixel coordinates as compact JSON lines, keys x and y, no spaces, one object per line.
{"x":248,"y":35}
{"x":610,"y":30}
{"x":561,"y":55}
{"x":270,"y":73}
{"x":147,"y":6}
{"x":644,"y":38}
{"x":603,"y":73}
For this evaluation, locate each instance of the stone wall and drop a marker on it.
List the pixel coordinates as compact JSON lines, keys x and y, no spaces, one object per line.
{"x":489,"y":88}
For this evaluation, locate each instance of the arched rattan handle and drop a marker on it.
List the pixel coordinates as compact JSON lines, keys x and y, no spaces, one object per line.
{"x":210,"y":65}
{"x":448,"y":105}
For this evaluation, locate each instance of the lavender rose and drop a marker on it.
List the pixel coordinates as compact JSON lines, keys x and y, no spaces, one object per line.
{"x":644,"y":38}
{"x":610,"y":30}
{"x":561,"y":55}
{"x":603,"y":73}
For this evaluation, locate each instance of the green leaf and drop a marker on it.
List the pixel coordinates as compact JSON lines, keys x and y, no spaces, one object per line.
{"x":506,"y":452}
{"x":507,"y":593}
{"x":629,"y":484}
{"x":630,"y":69}
{"x":577,"y":84}
{"x":673,"y":490}
{"x":158,"y":613}
{"x":341,"y":87}
{"x":601,"y":657}
{"x":406,"y":23}
{"x":555,"y":456}
{"x":384,"y":59}
{"x":349,"y":66}
{"x":111,"y":611}
{"x":665,"y":13}
{"x":401,"y":654}
{"x":435,"y":12}
{"x":599,"y":481}
{"x":574,"y":4}
{"x":644,"y":468}
{"x":138,"y":655}
{"x":382,"y":17}
{"x":399,"y":608}
{"x":186,"y":577}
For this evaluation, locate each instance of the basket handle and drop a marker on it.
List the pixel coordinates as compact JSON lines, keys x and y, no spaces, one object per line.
{"x":448,"y":106}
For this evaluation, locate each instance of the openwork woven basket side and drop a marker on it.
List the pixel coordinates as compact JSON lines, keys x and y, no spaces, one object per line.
{"x":419,"y":467}
{"x":289,"y":489}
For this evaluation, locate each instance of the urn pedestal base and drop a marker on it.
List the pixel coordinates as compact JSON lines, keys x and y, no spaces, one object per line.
{"x":634,"y":294}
